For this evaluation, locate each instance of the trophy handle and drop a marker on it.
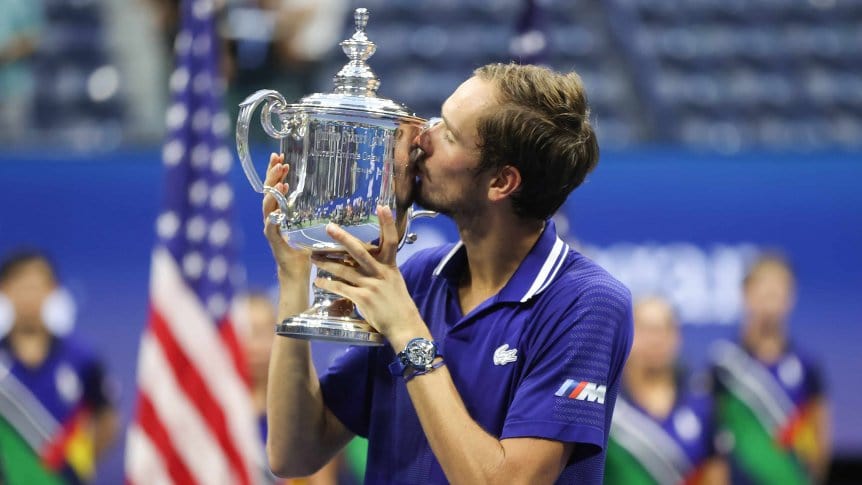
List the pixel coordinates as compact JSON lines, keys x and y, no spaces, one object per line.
{"x":272,"y":100}
{"x":412,"y":214}
{"x":280,"y":216}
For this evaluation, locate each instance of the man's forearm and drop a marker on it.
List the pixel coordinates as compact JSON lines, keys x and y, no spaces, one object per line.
{"x":301,"y":438}
{"x":466,"y":452}
{"x":106,"y":423}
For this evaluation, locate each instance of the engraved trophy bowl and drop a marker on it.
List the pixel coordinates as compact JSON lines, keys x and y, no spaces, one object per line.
{"x":348,"y":151}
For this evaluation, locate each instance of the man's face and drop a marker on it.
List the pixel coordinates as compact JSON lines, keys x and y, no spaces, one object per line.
{"x":656,"y":337}
{"x":27,"y":289}
{"x":447,"y":177}
{"x":769,"y":297}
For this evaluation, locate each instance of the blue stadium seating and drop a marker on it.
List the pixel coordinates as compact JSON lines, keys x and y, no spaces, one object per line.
{"x":725,"y":74}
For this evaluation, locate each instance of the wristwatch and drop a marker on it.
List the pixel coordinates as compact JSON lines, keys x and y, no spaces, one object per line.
{"x":418,"y":355}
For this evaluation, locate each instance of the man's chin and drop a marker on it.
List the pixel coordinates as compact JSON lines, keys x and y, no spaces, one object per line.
{"x":423,"y":201}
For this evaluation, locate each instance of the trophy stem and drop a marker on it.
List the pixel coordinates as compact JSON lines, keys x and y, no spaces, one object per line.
{"x":332,"y":317}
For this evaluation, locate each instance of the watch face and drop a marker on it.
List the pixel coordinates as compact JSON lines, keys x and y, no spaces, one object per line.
{"x":420,"y":353}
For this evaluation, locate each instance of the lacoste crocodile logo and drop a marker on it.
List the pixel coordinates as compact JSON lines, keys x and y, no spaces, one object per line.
{"x":503,"y":355}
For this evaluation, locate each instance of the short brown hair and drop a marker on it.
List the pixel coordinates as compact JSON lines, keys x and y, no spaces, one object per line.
{"x":770,"y":260}
{"x":12,"y":263}
{"x":542,"y":128}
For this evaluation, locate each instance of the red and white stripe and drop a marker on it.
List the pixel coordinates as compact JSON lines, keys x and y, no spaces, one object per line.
{"x":195,"y":422}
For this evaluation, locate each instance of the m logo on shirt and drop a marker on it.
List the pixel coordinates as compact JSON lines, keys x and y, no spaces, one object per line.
{"x":582,"y":391}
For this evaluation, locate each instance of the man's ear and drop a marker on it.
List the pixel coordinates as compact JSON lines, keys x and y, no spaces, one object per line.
{"x":504,"y":183}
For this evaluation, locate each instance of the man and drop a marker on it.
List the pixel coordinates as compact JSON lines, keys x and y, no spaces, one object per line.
{"x":663,"y":429}
{"x":57,"y":417}
{"x":533,"y":335}
{"x":770,"y":396}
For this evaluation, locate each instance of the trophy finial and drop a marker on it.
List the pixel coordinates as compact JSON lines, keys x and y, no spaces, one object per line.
{"x":360,"y":16}
{"x":356,"y":78}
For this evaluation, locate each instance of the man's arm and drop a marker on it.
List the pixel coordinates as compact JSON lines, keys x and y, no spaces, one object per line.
{"x":822,"y":456}
{"x":106,"y":424}
{"x":303,"y":434}
{"x":715,"y":472}
{"x":465,"y":451}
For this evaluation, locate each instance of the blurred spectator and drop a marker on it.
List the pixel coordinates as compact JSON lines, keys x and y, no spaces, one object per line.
{"x":663,"y":429}
{"x":268,"y":44}
{"x":770,"y":396}
{"x":279,"y":44}
{"x":20,"y":26}
{"x":257,"y":342}
{"x":56,"y":414}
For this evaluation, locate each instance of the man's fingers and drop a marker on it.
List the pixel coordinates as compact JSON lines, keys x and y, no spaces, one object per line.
{"x":388,"y":235}
{"x":340,"y":288}
{"x":355,"y":248}
{"x":276,"y":171}
{"x":340,"y":269}
{"x":273,"y":234}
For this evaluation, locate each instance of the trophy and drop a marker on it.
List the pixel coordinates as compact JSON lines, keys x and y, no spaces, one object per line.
{"x":348,"y":151}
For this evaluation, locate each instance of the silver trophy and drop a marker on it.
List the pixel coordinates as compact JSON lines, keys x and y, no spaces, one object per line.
{"x":348,"y":152}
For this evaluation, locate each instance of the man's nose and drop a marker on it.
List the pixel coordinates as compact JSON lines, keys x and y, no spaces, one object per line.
{"x":423,"y":139}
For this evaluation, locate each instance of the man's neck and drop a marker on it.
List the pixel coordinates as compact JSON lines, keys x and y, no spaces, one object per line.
{"x":766,"y":342}
{"x":30,"y":345}
{"x":654,"y":389}
{"x":496,"y":244}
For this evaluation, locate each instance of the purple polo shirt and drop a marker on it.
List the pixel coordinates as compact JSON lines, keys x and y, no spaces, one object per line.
{"x":541,"y":359}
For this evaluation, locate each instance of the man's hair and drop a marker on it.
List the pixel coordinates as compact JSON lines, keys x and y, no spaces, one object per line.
{"x":769,"y":260}
{"x":542,"y":128}
{"x":14,"y":261}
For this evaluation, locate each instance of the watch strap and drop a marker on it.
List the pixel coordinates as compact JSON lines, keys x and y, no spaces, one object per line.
{"x":420,"y":372}
{"x":398,"y":367}
{"x":402,"y":364}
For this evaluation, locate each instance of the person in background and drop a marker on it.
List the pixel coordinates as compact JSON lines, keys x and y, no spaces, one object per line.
{"x":260,"y":317}
{"x":770,"y":396}
{"x":663,"y":428}
{"x":57,"y":414}
{"x":20,"y":30}
{"x":278,"y":44}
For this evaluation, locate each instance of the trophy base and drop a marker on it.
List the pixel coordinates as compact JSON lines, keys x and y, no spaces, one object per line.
{"x":334,"y":329}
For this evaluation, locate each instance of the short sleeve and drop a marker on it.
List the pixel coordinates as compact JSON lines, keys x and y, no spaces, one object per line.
{"x":346,"y":388}
{"x":570,"y":385}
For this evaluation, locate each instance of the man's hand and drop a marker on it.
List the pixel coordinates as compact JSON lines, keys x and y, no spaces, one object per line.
{"x":373,"y":282}
{"x":293,"y":263}
{"x":406,"y":155}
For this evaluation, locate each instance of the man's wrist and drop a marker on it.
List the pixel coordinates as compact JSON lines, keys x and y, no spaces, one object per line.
{"x":293,"y":275}
{"x":420,"y":356}
{"x":399,"y":338}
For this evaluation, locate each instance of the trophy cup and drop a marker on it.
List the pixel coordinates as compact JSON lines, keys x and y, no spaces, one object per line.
{"x":348,"y":152}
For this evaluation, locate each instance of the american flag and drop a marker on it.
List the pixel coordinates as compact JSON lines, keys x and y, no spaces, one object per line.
{"x":194,"y":420}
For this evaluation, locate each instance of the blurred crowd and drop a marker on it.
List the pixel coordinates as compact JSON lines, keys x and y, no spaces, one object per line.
{"x":93,"y":74}
{"x":758,"y":415}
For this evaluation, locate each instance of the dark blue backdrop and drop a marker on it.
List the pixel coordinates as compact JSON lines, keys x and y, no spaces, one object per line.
{"x":640,"y":209}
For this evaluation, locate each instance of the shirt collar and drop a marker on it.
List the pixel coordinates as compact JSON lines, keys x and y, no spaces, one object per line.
{"x":534,"y":274}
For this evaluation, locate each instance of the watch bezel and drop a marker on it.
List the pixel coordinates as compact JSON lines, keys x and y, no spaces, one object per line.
{"x":419,"y":353}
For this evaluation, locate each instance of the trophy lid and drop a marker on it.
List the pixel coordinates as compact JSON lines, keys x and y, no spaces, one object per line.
{"x":356,"y":84}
